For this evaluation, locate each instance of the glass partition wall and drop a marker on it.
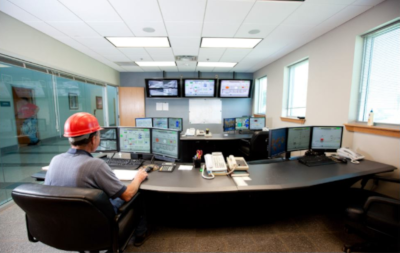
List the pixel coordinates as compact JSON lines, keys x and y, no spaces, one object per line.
{"x":33,"y":108}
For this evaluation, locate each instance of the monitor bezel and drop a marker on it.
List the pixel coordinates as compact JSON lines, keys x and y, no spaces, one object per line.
{"x":184,"y":88}
{"x":242,"y":128}
{"x":176,"y":129}
{"x":162,"y":79}
{"x":223,"y":125}
{"x":151,"y":119}
{"x":270,"y":132}
{"x":178,"y":143}
{"x":117,"y":137}
{"x":309,"y":139}
{"x":160,"y":118}
{"x":320,"y":150}
{"x":250,"y":87}
{"x":132,"y":152}
{"x":256,"y":118}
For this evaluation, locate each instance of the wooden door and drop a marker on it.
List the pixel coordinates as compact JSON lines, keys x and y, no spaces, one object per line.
{"x":18,"y":94}
{"x":131,"y":105}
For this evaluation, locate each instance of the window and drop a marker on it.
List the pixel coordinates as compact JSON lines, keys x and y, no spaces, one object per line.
{"x":297,"y":89}
{"x":260,"y":96}
{"x":380,"y":75}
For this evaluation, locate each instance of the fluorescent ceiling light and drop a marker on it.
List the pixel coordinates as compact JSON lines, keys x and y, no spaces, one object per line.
{"x":155,"y":63}
{"x":139,"y":41}
{"x":229,"y":42}
{"x":217,"y":64}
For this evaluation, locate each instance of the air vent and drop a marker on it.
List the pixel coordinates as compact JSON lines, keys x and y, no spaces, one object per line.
{"x":34,"y":67}
{"x":66,"y":76}
{"x":185,"y":58}
{"x":126,"y":64}
{"x":11,"y":61}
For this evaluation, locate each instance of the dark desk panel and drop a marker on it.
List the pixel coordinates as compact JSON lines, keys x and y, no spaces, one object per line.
{"x":217,"y":137}
{"x":292,"y":174}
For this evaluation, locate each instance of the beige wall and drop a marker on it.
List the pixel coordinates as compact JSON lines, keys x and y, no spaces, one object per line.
{"x":333,"y":79}
{"x":24,"y":42}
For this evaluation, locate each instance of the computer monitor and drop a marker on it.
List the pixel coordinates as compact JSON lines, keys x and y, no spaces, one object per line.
{"x":298,"y":138}
{"x":326,"y":138}
{"x":144,"y":122}
{"x":165,"y":143}
{"x":233,"y":88}
{"x":162,"y":87}
{"x":277,"y":142}
{"x":109,"y":141}
{"x":135,"y":140}
{"x":199,"y":88}
{"x":160,"y":122}
{"x":175,"y":124}
{"x":257,"y":123}
{"x":229,"y":124}
{"x":242,"y":123}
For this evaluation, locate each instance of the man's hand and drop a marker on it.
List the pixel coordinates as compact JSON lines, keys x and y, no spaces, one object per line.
{"x":140,"y":176}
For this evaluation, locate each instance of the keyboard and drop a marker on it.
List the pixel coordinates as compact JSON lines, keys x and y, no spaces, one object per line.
{"x":167,"y":168}
{"x":122,"y":162}
{"x":315,"y":160}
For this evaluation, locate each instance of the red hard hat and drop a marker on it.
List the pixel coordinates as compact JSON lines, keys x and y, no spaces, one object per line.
{"x":81,"y":123}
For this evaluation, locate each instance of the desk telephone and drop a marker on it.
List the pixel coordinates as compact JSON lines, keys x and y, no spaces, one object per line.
{"x":237,"y":163}
{"x":350,"y":154}
{"x":190,"y":132}
{"x":200,"y":133}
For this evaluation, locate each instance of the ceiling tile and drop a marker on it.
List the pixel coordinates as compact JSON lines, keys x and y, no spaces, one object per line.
{"x":116,"y":58}
{"x":96,"y":42}
{"x":342,"y":2}
{"x":229,"y":11}
{"x":184,"y":41}
{"x":74,"y":29}
{"x":132,"y":69}
{"x":367,"y":2}
{"x":108,"y":29}
{"x":212,"y":54}
{"x":234,"y":54}
{"x":103,"y":11}
{"x":18,"y":13}
{"x":187,"y":29}
{"x":313,"y":14}
{"x":205,"y":69}
{"x":136,"y":54}
{"x":271,"y":13}
{"x":161,"y":54}
{"x":220,"y":30}
{"x":187,"y":68}
{"x":169,"y":69}
{"x":182,"y":10}
{"x":185,"y":50}
{"x":40,"y":9}
{"x":244,"y":29}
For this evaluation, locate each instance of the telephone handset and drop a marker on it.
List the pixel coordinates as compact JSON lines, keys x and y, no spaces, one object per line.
{"x":190,"y":132}
{"x":236,"y":163}
{"x":350,"y":154}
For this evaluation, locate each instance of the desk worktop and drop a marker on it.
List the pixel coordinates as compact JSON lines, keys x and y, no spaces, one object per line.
{"x":217,"y":137}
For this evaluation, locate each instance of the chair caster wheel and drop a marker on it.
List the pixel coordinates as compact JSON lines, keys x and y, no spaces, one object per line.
{"x":348,"y":230}
{"x":346,"y":249}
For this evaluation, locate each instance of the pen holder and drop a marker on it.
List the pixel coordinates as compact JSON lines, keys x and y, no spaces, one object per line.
{"x":196,"y":163}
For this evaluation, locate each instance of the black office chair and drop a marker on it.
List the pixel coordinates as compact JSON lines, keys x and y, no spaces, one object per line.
{"x":76,"y":219}
{"x":256,"y":147}
{"x":375,"y":217}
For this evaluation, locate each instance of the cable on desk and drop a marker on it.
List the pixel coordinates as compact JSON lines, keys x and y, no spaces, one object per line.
{"x":209,"y":172}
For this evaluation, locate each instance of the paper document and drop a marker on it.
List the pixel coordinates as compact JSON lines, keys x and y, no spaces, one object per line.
{"x":185,"y":167}
{"x":165,"y":106}
{"x":159,"y":106}
{"x":239,"y":181}
{"x":125,"y":174}
{"x":45,"y":168}
{"x":246,"y":178}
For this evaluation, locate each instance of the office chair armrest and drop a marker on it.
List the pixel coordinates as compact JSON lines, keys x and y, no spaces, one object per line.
{"x":126,"y":207}
{"x":375,"y":199}
{"x":245,"y":141}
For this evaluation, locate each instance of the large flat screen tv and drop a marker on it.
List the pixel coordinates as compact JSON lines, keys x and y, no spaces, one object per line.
{"x":232,"y":88}
{"x":162,"y":88}
{"x":199,"y":88}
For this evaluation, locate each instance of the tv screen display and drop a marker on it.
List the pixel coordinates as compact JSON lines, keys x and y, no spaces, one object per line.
{"x":134,"y":140}
{"x":144,"y":122}
{"x":277,"y":142}
{"x":326,"y":138}
{"x":242,"y":123}
{"x":229,"y":124}
{"x":160,"y":122}
{"x":175,"y":123}
{"x":162,"y":87}
{"x":234,"y":88}
{"x":257,"y":123}
{"x":199,"y":88}
{"x":108,"y":140}
{"x":298,"y":138}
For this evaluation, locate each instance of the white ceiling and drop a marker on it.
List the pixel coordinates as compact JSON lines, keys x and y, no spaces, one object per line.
{"x":284,"y":26}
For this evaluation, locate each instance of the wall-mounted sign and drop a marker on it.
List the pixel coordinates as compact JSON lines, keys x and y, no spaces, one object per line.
{"x":5,"y":103}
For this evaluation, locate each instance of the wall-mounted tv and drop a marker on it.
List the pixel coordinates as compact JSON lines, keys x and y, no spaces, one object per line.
{"x":162,"y":88}
{"x":199,"y":88}
{"x":234,"y":88}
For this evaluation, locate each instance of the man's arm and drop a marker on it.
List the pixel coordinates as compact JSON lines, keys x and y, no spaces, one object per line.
{"x":133,"y":187}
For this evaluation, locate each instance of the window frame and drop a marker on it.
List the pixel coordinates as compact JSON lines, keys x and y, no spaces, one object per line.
{"x":257,"y":94}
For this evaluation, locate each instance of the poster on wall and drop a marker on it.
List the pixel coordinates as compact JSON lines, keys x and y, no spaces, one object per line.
{"x":99,"y":102}
{"x":73,"y":101}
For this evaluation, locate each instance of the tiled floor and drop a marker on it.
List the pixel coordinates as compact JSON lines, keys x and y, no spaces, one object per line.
{"x":320,"y":233}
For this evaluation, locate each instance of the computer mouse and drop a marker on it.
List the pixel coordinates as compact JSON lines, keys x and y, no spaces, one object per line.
{"x":149,"y":169}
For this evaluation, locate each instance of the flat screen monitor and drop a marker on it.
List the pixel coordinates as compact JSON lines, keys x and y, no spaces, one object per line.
{"x":235,"y":88}
{"x":144,"y":122}
{"x":242,"y":123}
{"x":277,"y":142}
{"x":162,"y":87}
{"x":135,"y":140}
{"x":199,"y":88}
{"x":257,"y":123}
{"x":165,"y":143}
{"x":160,"y":123}
{"x":175,"y":124}
{"x":108,"y":140}
{"x":229,"y":124}
{"x":298,"y":138}
{"x":326,"y":138}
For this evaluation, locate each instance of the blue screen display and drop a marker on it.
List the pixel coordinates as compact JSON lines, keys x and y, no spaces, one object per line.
{"x":277,"y":141}
{"x":229,"y":124}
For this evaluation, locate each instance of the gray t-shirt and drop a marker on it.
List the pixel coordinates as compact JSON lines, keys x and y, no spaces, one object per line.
{"x":78,"y":168}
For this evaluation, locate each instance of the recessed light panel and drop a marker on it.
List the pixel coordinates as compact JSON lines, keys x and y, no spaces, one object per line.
{"x":229,"y":42}
{"x":217,"y":64}
{"x":139,"y":41}
{"x":156,"y":63}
